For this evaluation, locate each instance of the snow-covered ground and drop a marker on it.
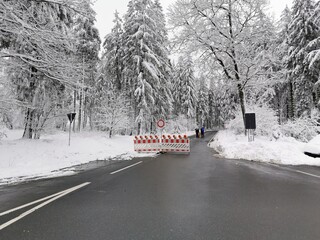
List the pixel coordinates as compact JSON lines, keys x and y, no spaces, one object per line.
{"x":21,"y":159}
{"x":287,"y":151}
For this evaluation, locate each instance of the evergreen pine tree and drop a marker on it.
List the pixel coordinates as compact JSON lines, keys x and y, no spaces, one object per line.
{"x":202,"y":104}
{"x":283,"y":99}
{"x":313,"y":58}
{"x":88,"y":46}
{"x":113,"y":52}
{"x":145,"y":72}
{"x":301,"y":32}
{"x":185,"y":97}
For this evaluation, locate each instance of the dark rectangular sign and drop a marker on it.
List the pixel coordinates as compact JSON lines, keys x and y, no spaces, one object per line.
{"x":250,"y":120}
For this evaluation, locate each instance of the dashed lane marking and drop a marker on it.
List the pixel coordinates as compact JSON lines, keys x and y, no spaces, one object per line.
{"x":126,"y":167}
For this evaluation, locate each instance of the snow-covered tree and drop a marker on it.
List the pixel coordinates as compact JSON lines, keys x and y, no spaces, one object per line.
{"x":112,"y":114}
{"x":87,"y":50}
{"x":38,"y":45}
{"x":184,"y":92}
{"x":224,"y":31}
{"x":113,"y":52}
{"x":146,"y":74}
{"x":36,"y":58}
{"x":221,"y":103}
{"x":283,"y":97}
{"x":302,"y":30}
{"x":35,"y":34}
{"x":313,"y":57}
{"x":202,"y":104}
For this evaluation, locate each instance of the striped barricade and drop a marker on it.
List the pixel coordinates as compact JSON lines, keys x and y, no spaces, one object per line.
{"x":167,"y":143}
{"x":175,"y":143}
{"x":149,"y":143}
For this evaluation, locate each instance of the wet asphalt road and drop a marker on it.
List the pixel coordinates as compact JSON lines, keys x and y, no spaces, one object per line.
{"x":196,"y":196}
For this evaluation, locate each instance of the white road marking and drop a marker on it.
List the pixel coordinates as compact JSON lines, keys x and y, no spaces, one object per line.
{"x":126,"y":167}
{"x":53,"y":198}
{"x":32,"y":203}
{"x":305,"y":173}
{"x":296,"y":171}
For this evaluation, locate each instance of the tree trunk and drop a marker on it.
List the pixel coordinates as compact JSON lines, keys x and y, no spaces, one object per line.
{"x":28,"y":125}
{"x":37,"y":127}
{"x":80,"y":111}
{"x":139,"y":128}
{"x":74,"y":108}
{"x":85,"y":109}
{"x":279,"y":111}
{"x":110,"y":133}
{"x":241,"y":99}
{"x":291,"y":106}
{"x":90,"y":116}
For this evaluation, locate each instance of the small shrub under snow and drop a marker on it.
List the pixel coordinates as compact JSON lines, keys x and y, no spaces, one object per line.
{"x":266,"y":121}
{"x":302,"y":129}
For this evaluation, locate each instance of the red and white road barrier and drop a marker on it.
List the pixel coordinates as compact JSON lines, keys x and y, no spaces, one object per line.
{"x":149,"y":143}
{"x":175,"y":143}
{"x":167,"y":143}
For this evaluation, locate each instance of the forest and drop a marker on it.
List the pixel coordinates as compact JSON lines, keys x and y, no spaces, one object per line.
{"x":205,"y":63}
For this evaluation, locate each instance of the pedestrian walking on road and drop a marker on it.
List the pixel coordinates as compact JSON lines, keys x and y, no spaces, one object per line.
{"x":197,"y":132}
{"x":202,"y":132}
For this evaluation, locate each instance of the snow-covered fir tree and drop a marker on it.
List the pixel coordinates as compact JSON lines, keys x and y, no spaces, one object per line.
{"x":284,"y":89}
{"x":202,"y":104}
{"x":146,"y":71}
{"x":313,"y":58}
{"x":88,"y":46}
{"x":184,"y":92}
{"x":302,"y":30}
{"x":113,"y":52}
{"x":222,"y":103}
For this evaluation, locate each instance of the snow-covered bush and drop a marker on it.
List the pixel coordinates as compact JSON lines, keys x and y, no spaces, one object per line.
{"x":2,"y":129}
{"x":303,"y":129}
{"x":266,"y":121}
{"x":2,"y":134}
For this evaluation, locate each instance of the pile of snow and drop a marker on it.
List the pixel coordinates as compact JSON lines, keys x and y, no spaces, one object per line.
{"x":313,"y":146}
{"x":285,"y":150}
{"x":21,"y":158}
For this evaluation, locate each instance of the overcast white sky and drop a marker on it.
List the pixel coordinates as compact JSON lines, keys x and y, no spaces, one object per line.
{"x":105,"y":11}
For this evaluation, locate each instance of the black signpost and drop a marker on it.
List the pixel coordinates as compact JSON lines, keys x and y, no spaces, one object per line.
{"x":250,"y":124}
{"x":71,"y":117}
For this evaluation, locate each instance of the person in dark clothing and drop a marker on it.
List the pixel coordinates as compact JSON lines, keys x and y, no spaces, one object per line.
{"x":202,"y":132}
{"x":197,"y":132}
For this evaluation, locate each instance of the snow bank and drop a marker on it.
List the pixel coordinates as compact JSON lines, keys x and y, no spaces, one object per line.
{"x":313,"y":146}
{"x":287,"y":151}
{"x":21,"y":158}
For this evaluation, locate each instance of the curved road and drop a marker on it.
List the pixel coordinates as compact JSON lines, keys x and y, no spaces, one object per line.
{"x":196,"y":196}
